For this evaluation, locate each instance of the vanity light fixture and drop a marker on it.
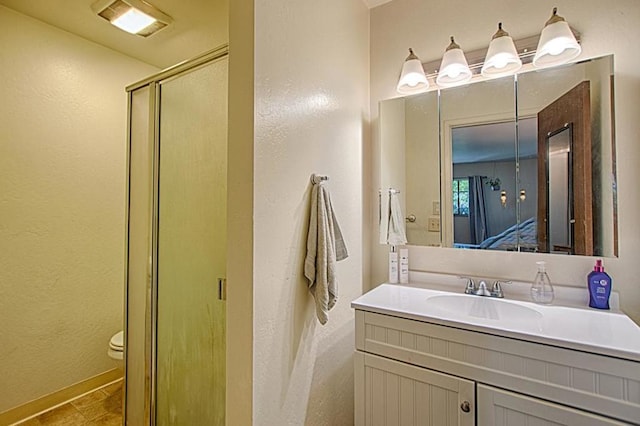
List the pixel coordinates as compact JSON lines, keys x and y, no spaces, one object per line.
{"x":502,"y":58}
{"x":454,"y":68}
{"x":503,"y":199}
{"x":412,"y":78}
{"x":133,"y":16}
{"x":523,"y":195}
{"x":557,"y":44}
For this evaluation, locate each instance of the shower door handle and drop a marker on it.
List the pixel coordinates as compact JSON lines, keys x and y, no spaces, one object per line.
{"x":222,"y":289}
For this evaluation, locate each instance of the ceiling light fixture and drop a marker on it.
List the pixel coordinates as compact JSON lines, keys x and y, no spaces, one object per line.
{"x":557,"y":45}
{"x":502,"y":58}
{"x":454,"y":68}
{"x":412,"y":78}
{"x":133,"y":16}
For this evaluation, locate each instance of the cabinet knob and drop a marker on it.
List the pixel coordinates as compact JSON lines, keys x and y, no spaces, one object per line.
{"x":465,"y":406}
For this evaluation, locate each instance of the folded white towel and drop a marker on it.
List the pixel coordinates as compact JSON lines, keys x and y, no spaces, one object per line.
{"x":325,"y":246}
{"x":397,"y":235}
{"x":392,"y":229}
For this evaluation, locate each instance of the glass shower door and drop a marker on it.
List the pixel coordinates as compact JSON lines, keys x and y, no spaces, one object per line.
{"x":191,"y":250}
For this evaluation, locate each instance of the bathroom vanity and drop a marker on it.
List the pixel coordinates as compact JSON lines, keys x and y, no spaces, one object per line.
{"x":428,"y":357}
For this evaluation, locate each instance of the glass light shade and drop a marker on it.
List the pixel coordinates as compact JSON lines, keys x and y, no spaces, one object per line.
{"x":557,"y":45}
{"x":502,"y":58}
{"x":133,"y":21}
{"x":454,"y":68}
{"x":412,"y":78}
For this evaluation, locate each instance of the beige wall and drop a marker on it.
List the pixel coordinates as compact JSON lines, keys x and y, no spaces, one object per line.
{"x":426,"y":26}
{"x":62,"y":177}
{"x":311,"y":105}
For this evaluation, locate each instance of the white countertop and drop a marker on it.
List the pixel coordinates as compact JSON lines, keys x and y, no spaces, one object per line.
{"x":589,"y":330}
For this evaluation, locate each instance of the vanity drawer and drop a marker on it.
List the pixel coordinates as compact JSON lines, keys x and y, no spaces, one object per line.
{"x":588,"y":381}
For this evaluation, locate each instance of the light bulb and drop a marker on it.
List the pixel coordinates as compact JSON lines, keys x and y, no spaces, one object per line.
{"x":413,"y":82}
{"x":556,"y":47}
{"x":453,"y":72}
{"x":500,"y":61}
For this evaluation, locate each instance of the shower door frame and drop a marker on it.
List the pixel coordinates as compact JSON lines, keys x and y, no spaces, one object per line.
{"x":153,"y":82}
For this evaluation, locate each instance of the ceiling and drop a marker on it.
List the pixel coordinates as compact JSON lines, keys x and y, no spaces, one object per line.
{"x":494,"y":142}
{"x":198,"y":26}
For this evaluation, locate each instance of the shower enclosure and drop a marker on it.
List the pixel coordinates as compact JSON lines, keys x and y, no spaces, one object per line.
{"x":176,"y":245}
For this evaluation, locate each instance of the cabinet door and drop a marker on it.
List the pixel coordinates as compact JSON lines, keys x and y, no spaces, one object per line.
{"x":501,"y":408}
{"x":393,"y":393}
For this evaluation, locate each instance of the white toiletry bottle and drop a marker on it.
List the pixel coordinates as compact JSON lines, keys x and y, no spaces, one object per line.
{"x":404,"y":266}
{"x":393,"y":265}
{"x":541,"y":289}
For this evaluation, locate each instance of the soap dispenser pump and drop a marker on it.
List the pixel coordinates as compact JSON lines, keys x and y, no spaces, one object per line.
{"x":541,"y":289}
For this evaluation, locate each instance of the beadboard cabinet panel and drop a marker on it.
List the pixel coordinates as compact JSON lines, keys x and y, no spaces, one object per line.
{"x":391,"y":393}
{"x":501,"y":408}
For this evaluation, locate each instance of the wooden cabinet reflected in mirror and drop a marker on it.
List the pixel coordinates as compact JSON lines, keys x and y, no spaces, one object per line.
{"x":564,"y":174}
{"x":526,"y":162}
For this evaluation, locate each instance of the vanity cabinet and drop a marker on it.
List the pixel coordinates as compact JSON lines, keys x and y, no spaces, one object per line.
{"x":416,"y":372}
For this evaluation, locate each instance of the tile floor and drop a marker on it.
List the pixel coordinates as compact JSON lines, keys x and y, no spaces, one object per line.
{"x":102,"y":407}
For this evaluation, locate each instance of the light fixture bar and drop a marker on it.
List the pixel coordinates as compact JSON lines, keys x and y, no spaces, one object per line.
{"x":526,"y":48}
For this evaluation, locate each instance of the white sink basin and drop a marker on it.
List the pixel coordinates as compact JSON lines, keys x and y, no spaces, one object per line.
{"x":484,"y":310}
{"x":481,"y":307}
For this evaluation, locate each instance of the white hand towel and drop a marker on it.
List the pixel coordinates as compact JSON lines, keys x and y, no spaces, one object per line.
{"x":396,"y":232}
{"x":325,"y":246}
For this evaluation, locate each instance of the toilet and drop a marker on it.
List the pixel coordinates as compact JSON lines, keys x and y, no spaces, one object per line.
{"x":116,"y":346}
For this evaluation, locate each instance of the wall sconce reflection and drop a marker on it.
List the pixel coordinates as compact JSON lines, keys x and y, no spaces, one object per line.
{"x":523,"y":195}
{"x":503,"y":198}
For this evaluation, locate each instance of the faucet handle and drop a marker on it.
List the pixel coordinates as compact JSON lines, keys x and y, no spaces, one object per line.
{"x":496,"y":289}
{"x":470,"y":288}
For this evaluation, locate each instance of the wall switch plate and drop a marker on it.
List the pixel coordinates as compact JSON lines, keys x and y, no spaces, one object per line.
{"x":436,"y":207}
{"x":433,"y":224}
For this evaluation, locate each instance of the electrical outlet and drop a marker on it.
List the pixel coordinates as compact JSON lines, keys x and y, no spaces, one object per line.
{"x":433,"y":224}
{"x":436,"y":207}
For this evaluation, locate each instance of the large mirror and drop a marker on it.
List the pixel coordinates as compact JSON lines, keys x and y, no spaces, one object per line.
{"x":521,"y":163}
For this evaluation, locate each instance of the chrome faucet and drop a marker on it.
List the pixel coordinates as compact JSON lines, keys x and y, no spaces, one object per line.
{"x":482,"y":290}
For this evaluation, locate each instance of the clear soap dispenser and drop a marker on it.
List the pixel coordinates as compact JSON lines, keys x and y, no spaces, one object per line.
{"x":541,"y":289}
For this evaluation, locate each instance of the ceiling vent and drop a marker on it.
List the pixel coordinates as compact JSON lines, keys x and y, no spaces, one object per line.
{"x":133,"y":16}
